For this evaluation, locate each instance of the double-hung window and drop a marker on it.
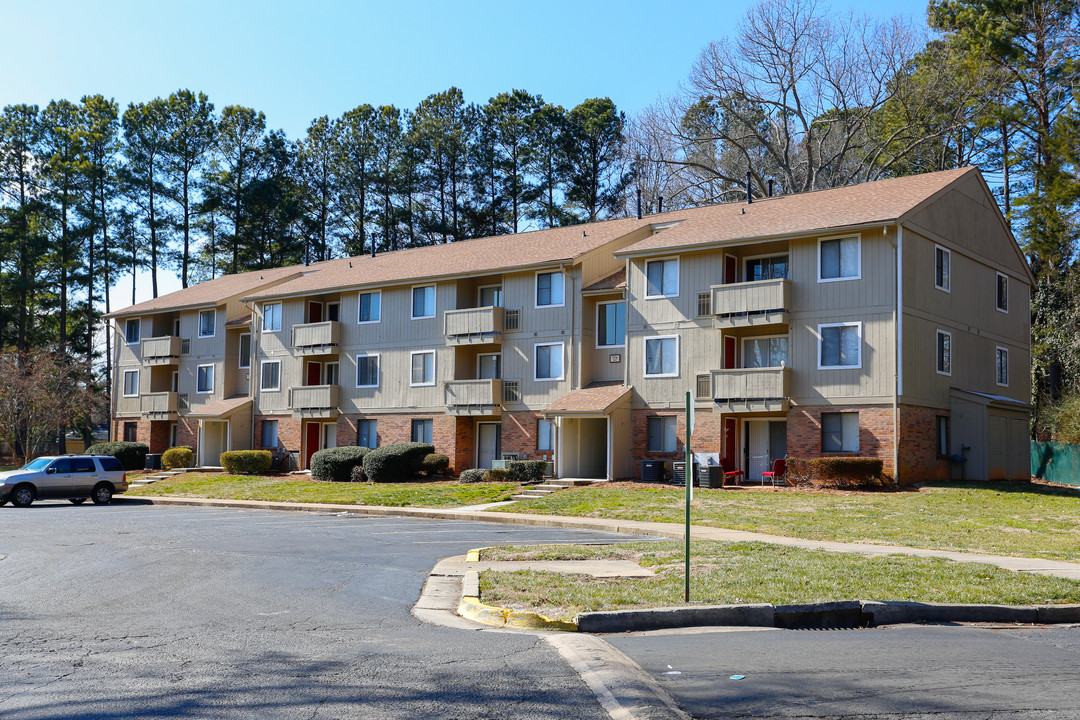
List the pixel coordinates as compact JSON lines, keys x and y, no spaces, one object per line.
{"x":270,"y":376}
{"x":942,"y":269}
{"x":841,"y":345}
{"x":838,"y":259}
{"x":131,"y":383}
{"x":840,"y":432}
{"x":422,"y":430}
{"x":204,"y":379}
{"x":369,"y":307}
{"x":367,"y":433}
{"x":423,"y":367}
{"x":550,"y":289}
{"x":1001,"y":370}
{"x":271,"y":317}
{"x":611,"y":324}
{"x":367,"y":371}
{"x":270,"y":434}
{"x":548,"y":361}
{"x":545,"y":435}
{"x":133,"y":331}
{"x":1003,"y":293}
{"x":662,"y":356}
{"x":660,"y":432}
{"x":423,"y":302}
{"x":207,"y":323}
{"x":944,"y":352}
{"x":662,"y":278}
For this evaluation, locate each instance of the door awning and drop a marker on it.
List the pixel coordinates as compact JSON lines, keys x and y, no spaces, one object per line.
{"x":221,"y":409}
{"x":594,"y":399}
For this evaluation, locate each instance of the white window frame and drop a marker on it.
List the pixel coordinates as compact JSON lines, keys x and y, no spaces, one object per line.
{"x":562,"y":361}
{"x":124,"y":388}
{"x":211,"y":376}
{"x":413,"y":354}
{"x":267,"y":328}
{"x":127,"y":324}
{"x":412,"y":303}
{"x":326,"y":309}
{"x":240,"y":353}
{"x":550,"y":436}
{"x":598,"y":305}
{"x":480,"y":356}
{"x":678,"y":278}
{"x":479,"y":294}
{"x":536,"y":289}
{"x":937,"y":341}
{"x":645,"y":356}
{"x":213,"y":325}
{"x":262,"y":376}
{"x":175,"y":381}
{"x":858,"y":432}
{"x":663,"y":420}
{"x":379,"y":318}
{"x":262,"y":431}
{"x":997,"y":283}
{"x":378,"y":369}
{"x":948,"y":254}
{"x":858,"y":257}
{"x":821,"y":346}
{"x":997,"y":380}
{"x":326,"y":373}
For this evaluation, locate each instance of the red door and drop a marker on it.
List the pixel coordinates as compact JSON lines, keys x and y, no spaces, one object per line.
{"x":311,"y":441}
{"x":729,"y":442}
{"x":314,"y":312}
{"x":731,"y":269}
{"x":314,"y":373}
{"x":729,"y":353}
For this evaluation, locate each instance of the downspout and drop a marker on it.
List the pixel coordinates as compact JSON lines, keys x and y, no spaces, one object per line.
{"x":114,"y":328}
{"x":898,"y":326}
{"x":253,"y":387}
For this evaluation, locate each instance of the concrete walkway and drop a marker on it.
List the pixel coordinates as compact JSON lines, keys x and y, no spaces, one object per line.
{"x":1037,"y":566}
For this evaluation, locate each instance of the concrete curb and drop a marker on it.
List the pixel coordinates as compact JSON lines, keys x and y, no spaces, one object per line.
{"x":473,"y":609}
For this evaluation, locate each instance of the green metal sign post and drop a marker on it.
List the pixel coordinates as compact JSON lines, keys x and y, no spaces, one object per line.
{"x":689,"y":475}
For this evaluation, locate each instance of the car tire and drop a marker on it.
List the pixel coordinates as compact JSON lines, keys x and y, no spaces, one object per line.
{"x":77,"y":501}
{"x":22,"y":496}
{"x":102,"y":494}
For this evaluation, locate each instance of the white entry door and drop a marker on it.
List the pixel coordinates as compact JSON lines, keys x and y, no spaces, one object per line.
{"x":760,"y":460}
{"x":487,"y":443}
{"x":329,"y":435}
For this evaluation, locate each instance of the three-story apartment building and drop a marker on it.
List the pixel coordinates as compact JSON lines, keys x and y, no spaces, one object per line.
{"x":887,"y":319}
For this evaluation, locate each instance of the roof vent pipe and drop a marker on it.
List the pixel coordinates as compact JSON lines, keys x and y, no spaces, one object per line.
{"x":372,"y":245}
{"x":639,"y":203}
{"x":770,"y":187}
{"x":660,"y":204}
{"x":749,"y":197}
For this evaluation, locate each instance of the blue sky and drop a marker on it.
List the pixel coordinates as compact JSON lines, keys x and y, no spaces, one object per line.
{"x":298,"y":60}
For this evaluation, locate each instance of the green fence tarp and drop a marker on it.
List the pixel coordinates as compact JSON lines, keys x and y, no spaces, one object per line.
{"x":1056,"y":462}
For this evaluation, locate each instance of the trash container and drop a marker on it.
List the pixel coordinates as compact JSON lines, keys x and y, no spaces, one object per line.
{"x":652,"y":471}
{"x":679,"y":470}
{"x":153,"y":461}
{"x":711,"y":476}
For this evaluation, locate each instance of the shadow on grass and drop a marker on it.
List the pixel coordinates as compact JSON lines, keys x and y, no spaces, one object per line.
{"x":1008,"y":486}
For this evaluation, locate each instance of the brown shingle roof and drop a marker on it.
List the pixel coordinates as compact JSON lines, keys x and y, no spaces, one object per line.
{"x":221,"y":408}
{"x":614,"y":281}
{"x":595,"y":398}
{"x":212,"y":292}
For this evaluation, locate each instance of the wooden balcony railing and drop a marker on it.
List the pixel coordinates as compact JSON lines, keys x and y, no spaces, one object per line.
{"x":473,"y":397}
{"x":473,"y":326}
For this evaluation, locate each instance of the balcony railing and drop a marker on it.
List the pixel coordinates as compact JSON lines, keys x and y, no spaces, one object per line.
{"x":473,"y":326}
{"x":159,"y":406}
{"x":161,"y":351}
{"x":319,"y":338}
{"x":751,"y":304}
{"x":314,"y":401}
{"x":473,"y":397}
{"x":752,"y":389}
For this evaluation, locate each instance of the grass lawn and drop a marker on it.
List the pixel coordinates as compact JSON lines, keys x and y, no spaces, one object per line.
{"x":1000,"y":518}
{"x":443,"y":494}
{"x":724,"y":573}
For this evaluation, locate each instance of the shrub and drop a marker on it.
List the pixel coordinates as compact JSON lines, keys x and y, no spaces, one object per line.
{"x":471,"y":476}
{"x":400,"y":461}
{"x":132,"y":455}
{"x":496,"y":475}
{"x":525,"y":472}
{"x":178,"y":457}
{"x":434,"y":464}
{"x":358,"y":474}
{"x":336,"y":464}
{"x":246,"y":462}
{"x":843,"y":473}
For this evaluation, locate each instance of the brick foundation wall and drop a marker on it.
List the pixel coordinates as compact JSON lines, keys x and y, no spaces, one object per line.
{"x":289,"y":437}
{"x":706,"y":437}
{"x":451,"y":436}
{"x":159,"y":436}
{"x":875,"y":432}
{"x":519,"y":435}
{"x":919,"y":459}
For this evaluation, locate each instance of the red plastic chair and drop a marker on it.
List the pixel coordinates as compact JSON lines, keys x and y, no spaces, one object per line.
{"x":734,"y":475}
{"x":777,"y":472}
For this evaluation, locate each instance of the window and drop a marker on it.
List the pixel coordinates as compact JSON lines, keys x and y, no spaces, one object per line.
{"x":423,"y":367}
{"x":1003,"y":293}
{"x":840,"y":344}
{"x":839,"y":432}
{"x":661,"y":278}
{"x":174,"y":385}
{"x":83,"y":465}
{"x":131,"y":383}
{"x":768,"y":268}
{"x":423,"y":302}
{"x":207,"y":323}
{"x":703,"y":386}
{"x":369,"y":307}
{"x":131,"y":432}
{"x":185,"y":346}
{"x":942,"y":435}
{"x":765,"y":352}
{"x":174,"y":435}
{"x":333,"y":312}
{"x":661,"y":433}
{"x":704,"y":304}
{"x":421,"y":430}
{"x":367,"y":434}
{"x":111,"y":464}
{"x":270,"y":375}
{"x":176,"y":327}
{"x":545,"y":435}
{"x":611,"y":324}
{"x":272,"y":317}
{"x":944,"y":352}
{"x":662,"y":356}
{"x":550,"y":289}
{"x":549,"y":361}
{"x":132,"y":331}
{"x":204,"y":379}
{"x":512,"y":320}
{"x":1002,"y":373}
{"x":489,"y":366}
{"x":942,"y":274}
{"x":512,"y":391}
{"x":331,"y":374}
{"x":491,"y":296}
{"x":838,"y":259}
{"x":269,"y":434}
{"x":245,"y":351}
{"x":367,"y":371}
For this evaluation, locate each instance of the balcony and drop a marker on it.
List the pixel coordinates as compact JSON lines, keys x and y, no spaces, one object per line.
{"x":159,"y":406}
{"x":161,"y":351}
{"x":473,"y":397}
{"x":314,"y":401}
{"x":321,"y":338}
{"x":752,"y":390}
{"x":473,"y":326}
{"x":754,"y":304}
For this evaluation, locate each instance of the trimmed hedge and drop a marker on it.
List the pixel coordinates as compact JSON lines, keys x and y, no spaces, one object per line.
{"x":496,"y":475}
{"x":397,"y":462}
{"x":336,"y":464}
{"x":842,"y":473}
{"x":434,"y":464}
{"x":178,"y":457}
{"x":247,"y":462}
{"x":472,"y":475}
{"x":132,"y":455}
{"x":526,"y":472}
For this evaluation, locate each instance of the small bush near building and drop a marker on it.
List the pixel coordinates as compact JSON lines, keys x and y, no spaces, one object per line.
{"x":178,"y":457}
{"x":435,"y":464}
{"x":526,"y":472}
{"x":336,"y":464}
{"x":246,"y":462}
{"x":358,"y":475}
{"x":397,"y":462}
{"x":840,"y":473}
{"x":132,"y":455}
{"x":496,"y":475}
{"x":473,"y":475}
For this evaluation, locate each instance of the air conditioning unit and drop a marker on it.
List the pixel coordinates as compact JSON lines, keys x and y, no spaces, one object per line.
{"x":509,"y":456}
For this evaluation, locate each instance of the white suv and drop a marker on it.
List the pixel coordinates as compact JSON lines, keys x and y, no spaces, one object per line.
{"x":70,"y":477}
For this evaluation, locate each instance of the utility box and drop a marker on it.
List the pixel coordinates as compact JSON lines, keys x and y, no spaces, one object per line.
{"x":153,"y":462}
{"x":652,"y":471}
